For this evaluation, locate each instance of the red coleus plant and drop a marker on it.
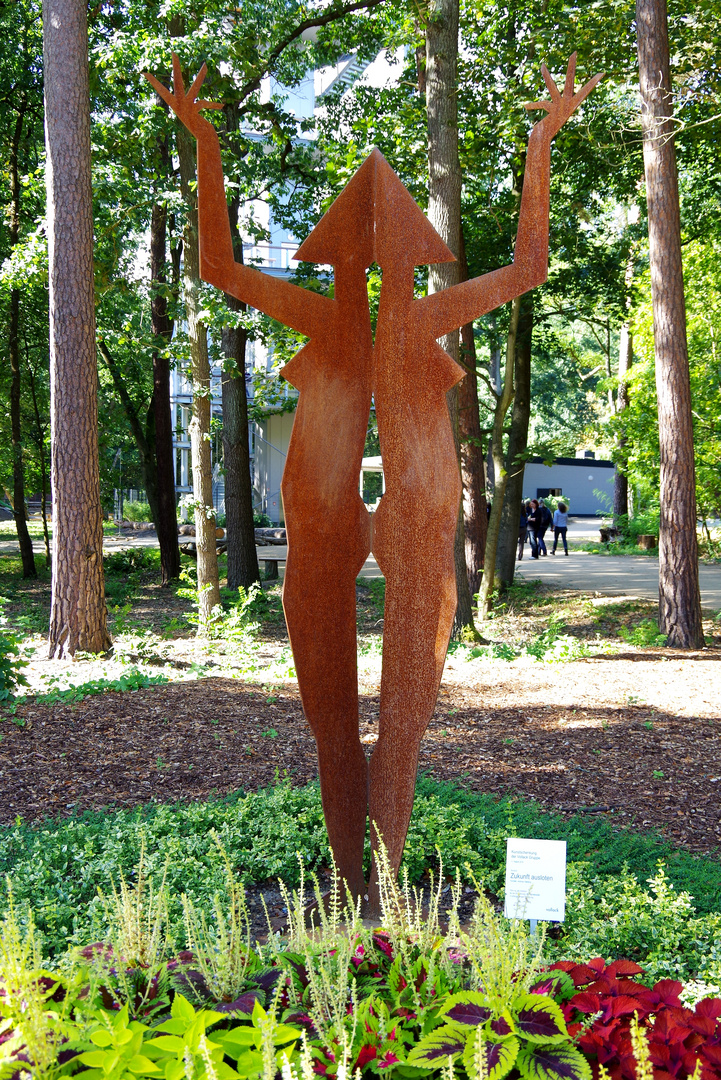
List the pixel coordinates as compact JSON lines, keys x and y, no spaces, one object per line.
{"x":680,"y":1039}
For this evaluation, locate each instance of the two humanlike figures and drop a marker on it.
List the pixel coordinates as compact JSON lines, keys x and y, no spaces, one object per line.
{"x":330,"y":533}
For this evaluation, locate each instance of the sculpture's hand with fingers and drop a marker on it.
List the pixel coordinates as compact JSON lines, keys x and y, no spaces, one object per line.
{"x":185,"y":106}
{"x":562,"y":105}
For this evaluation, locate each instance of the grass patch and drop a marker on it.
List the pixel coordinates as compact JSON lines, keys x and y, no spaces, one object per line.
{"x":57,"y":867}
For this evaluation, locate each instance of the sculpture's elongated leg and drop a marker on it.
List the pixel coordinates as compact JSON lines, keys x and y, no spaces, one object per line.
{"x":328,"y":542}
{"x":413,"y":542}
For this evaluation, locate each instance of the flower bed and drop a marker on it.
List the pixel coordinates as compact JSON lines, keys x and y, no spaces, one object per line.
{"x":420,"y":996}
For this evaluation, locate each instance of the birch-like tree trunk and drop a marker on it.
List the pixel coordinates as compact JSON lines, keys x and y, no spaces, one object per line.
{"x":679,"y":596}
{"x":199,"y":427}
{"x":18,"y":504}
{"x":78,"y":618}
{"x":504,"y":398}
{"x":473,"y":473}
{"x":444,"y":213}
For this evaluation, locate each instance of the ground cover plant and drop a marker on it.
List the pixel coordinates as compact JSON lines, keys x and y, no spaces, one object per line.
{"x":419,"y":994}
{"x":628,"y":894}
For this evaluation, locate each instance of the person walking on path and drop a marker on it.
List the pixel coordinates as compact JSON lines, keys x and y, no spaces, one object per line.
{"x":545,"y":520}
{"x":522,"y":531}
{"x":560,"y":527}
{"x":534,"y":525}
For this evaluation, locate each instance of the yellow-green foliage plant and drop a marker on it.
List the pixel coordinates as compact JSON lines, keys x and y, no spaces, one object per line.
{"x":31,"y":1022}
{"x":222,"y":953}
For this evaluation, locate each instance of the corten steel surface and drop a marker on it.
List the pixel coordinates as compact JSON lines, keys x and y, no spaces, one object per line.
{"x":373,"y":220}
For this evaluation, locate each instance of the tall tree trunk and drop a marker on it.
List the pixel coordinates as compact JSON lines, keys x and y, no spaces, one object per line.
{"x":78,"y":617}
{"x":620,"y":480}
{"x":166,"y":521}
{"x":242,"y":553}
{"x":517,"y":444}
{"x":199,"y":427}
{"x":444,"y":213}
{"x":473,"y":471}
{"x":679,"y":596}
{"x":26,"y":544}
{"x":504,"y":398}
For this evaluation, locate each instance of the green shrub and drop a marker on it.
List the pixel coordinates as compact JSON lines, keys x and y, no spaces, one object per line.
{"x":11,"y":663}
{"x":262,"y":521}
{"x":643,"y":524}
{"x":57,"y":867}
{"x":644,"y":633}
{"x":137,"y":511}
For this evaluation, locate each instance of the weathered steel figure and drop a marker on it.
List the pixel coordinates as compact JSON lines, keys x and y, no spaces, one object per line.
{"x":329,"y":528}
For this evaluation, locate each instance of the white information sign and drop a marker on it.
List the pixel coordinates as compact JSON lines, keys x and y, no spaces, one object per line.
{"x":535,"y":879}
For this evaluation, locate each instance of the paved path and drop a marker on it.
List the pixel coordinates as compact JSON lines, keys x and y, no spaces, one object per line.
{"x":614,"y":575}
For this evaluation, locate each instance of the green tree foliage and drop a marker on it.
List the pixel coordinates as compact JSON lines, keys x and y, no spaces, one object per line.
{"x":703,"y":315}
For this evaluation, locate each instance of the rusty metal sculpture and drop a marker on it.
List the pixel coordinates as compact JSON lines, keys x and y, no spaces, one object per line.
{"x":337,"y":373}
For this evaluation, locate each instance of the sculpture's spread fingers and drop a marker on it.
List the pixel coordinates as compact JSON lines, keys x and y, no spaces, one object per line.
{"x":570,"y":76}
{"x":586,"y":90}
{"x":197,"y":83}
{"x":178,"y":85}
{"x":547,"y":105}
{"x":552,"y":88}
{"x":160,"y":90}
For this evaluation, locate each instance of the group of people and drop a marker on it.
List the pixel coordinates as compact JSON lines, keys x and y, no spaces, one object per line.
{"x":536,"y":520}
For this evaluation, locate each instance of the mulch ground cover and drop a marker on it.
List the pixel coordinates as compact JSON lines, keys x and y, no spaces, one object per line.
{"x":639,"y":765}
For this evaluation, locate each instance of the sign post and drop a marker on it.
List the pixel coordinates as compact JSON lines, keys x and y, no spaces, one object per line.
{"x":535,"y":880}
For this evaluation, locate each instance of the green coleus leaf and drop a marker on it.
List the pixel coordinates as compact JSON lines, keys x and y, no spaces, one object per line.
{"x":182,"y":1009}
{"x":500,"y":1057}
{"x":250,"y":1063}
{"x":239,"y":1038}
{"x":94,"y":1058}
{"x":552,"y":1063}
{"x":171,"y":1044}
{"x":283,"y":1033}
{"x":442,"y":1043}
{"x":101,"y":1037}
{"x":141,"y":1065}
{"x":538,"y":1019}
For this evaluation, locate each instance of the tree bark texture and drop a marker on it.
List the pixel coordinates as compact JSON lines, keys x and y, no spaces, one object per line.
{"x":444,"y":213}
{"x":473,"y":473}
{"x":26,"y":544}
{"x":242,"y":553}
{"x":679,"y":596}
{"x":78,"y":617}
{"x":166,"y":522}
{"x":620,"y":479}
{"x":517,"y":444}
{"x":199,"y":427}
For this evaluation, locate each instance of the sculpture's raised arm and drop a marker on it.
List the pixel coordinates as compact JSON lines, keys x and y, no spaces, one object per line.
{"x":299,"y":308}
{"x":446,"y":311}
